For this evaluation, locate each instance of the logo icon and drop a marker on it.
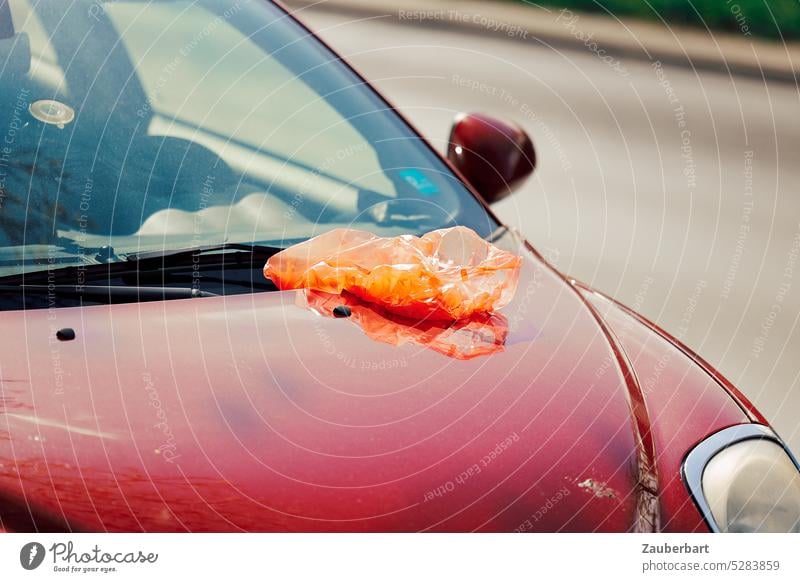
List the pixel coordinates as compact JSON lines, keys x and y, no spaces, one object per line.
{"x":31,"y":555}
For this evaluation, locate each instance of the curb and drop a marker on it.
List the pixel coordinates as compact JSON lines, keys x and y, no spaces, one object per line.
{"x":727,"y":53}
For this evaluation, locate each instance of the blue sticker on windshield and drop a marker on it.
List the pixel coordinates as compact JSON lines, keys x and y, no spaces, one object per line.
{"x":419,"y":181}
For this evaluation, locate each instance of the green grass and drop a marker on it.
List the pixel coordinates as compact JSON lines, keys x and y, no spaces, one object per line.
{"x":764,"y":18}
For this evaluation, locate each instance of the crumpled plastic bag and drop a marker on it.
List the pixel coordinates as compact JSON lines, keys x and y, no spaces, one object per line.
{"x":447,"y":274}
{"x":480,"y":334}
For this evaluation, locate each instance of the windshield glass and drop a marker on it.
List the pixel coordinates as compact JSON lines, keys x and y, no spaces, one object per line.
{"x":151,"y":125}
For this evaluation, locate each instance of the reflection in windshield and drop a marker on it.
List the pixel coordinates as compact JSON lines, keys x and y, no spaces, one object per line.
{"x":152,"y":125}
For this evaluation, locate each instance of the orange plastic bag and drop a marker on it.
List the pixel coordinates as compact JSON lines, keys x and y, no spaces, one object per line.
{"x":447,"y":274}
{"x":478,"y":335}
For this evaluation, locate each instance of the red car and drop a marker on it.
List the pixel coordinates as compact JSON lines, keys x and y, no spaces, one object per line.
{"x":153,"y":156}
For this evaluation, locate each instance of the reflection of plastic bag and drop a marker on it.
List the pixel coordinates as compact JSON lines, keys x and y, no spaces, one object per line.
{"x":478,"y":335}
{"x":446,"y":274}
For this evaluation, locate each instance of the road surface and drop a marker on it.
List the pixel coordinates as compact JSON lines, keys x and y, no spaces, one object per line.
{"x":672,"y":190}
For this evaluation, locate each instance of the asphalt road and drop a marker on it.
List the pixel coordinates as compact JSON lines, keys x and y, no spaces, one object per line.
{"x":672,"y":190}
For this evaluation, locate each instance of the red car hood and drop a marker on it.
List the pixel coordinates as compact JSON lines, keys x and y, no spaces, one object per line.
{"x":254,"y":412}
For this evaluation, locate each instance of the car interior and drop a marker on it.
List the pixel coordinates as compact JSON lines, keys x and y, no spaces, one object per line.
{"x":261,"y":147}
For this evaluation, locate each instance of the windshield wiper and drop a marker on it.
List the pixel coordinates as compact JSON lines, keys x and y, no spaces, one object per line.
{"x":176,"y":254}
{"x":107,"y":293}
{"x":232,"y":254}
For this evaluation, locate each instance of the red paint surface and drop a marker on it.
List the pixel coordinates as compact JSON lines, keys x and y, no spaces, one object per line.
{"x":684,"y":401}
{"x":270,"y":417}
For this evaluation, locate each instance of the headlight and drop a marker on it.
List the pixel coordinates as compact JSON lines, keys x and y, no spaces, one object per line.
{"x":743,"y":479}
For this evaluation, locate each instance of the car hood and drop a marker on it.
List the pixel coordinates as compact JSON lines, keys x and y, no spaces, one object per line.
{"x":262,"y":412}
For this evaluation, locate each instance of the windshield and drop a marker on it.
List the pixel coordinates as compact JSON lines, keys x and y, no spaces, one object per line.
{"x":151,"y":125}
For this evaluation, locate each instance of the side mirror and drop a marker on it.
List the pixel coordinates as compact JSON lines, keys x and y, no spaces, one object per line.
{"x":494,"y":156}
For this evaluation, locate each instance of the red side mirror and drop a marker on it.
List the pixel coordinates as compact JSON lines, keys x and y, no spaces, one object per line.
{"x":494,"y":156}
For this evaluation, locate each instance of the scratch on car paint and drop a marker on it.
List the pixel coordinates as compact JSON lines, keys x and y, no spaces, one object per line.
{"x":599,"y":489}
{"x":55,"y":424}
{"x":11,"y":399}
